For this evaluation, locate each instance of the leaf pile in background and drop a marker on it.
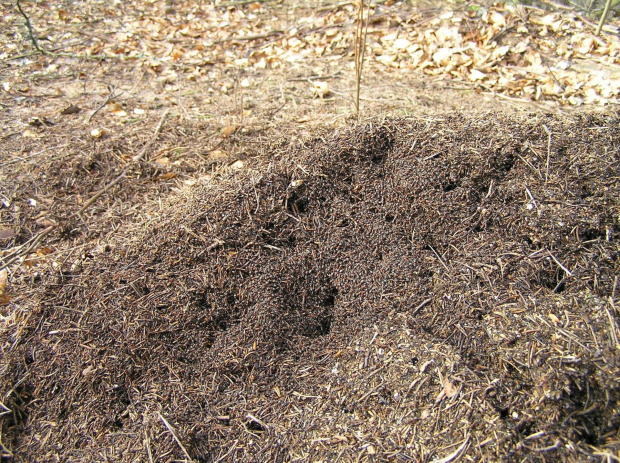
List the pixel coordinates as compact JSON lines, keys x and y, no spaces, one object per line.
{"x":517,"y":51}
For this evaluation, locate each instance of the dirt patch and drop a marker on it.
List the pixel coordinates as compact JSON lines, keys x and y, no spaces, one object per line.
{"x":406,"y":289}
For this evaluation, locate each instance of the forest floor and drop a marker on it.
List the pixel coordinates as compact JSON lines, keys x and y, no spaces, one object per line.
{"x":207,"y":255}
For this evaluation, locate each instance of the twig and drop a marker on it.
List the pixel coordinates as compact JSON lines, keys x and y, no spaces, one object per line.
{"x":181,"y":101}
{"x":439,"y":257}
{"x":567,"y":271}
{"x":174,"y":435}
{"x":613,"y":328}
{"x":247,"y":37}
{"x":33,"y":37}
{"x":603,"y":17}
{"x":33,"y":155}
{"x":153,"y":138}
{"x":147,"y":444}
{"x":111,"y":89}
{"x":361,"y":32}
{"x":244,"y":2}
{"x":454,"y":454}
{"x":421,"y":306}
{"x":548,"y":151}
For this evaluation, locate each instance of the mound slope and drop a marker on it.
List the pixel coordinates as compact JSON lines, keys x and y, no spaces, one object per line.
{"x":403,"y":290}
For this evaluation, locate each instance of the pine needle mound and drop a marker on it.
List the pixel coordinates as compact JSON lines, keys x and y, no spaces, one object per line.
{"x":403,"y":290}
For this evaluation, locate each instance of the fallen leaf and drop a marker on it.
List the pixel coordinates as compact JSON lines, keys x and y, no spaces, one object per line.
{"x":45,"y":222}
{"x":449,"y":388}
{"x":163,"y":160}
{"x":228,"y":130}
{"x":43,"y":251}
{"x":217,"y":155}
{"x":30,"y":134}
{"x":166,"y":176}
{"x":39,"y":121}
{"x":71,"y":109}
{"x":117,"y":109}
{"x":320,"y":89}
{"x":476,"y":75}
{"x":6,"y":234}
{"x":4,"y":281}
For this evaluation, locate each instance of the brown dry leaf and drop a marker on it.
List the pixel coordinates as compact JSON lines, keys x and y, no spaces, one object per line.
{"x":6,"y":234}
{"x":166,"y":176}
{"x":32,"y":262}
{"x":217,"y":155}
{"x":320,"y":89}
{"x":71,"y":109}
{"x":449,"y":388}
{"x":45,"y":222}
{"x":229,"y":130}
{"x":117,"y":109}
{"x":4,"y":281}
{"x":164,"y":160}
{"x":30,"y":134}
{"x":43,"y":251}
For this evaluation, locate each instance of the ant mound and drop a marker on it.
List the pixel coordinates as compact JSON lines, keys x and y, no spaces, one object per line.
{"x":401,"y":290}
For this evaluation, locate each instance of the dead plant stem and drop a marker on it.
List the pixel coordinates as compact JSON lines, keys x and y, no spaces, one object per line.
{"x":360,"y":49}
{"x":601,"y":23}
{"x":174,"y":436}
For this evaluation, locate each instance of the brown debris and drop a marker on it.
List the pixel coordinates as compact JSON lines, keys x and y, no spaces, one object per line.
{"x":405,"y":290}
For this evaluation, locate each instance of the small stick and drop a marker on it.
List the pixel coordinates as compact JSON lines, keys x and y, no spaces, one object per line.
{"x":567,"y":271}
{"x":174,"y":435}
{"x":439,"y":257}
{"x":603,"y":18}
{"x":33,"y":37}
{"x":180,"y":101}
{"x":421,"y":306}
{"x":361,"y":32}
{"x":548,"y":151}
{"x":529,"y":193}
{"x":111,"y":89}
{"x":147,"y":444}
{"x":248,"y":37}
{"x":454,"y":454}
